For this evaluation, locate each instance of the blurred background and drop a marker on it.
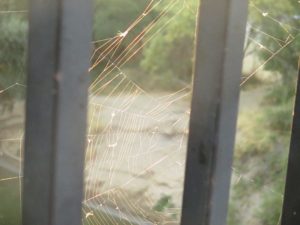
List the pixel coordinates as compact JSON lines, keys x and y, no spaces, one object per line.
{"x":139,"y":103}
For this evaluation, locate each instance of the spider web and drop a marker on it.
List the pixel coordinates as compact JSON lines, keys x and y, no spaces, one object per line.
{"x":136,"y":144}
{"x":136,"y":141}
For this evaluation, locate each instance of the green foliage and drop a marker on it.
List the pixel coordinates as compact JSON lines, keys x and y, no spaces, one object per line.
{"x":13,"y":42}
{"x":163,"y":203}
{"x":261,"y":185}
{"x":280,"y":94}
{"x":154,"y":82}
{"x":10,"y":201}
{"x":268,"y":131}
{"x":269,"y":210}
{"x":279,"y":118}
{"x":254,"y":136}
{"x":169,"y":56}
{"x":171,"y":49}
{"x":274,"y":115}
{"x":114,"y":16}
{"x":280,"y":21}
{"x":261,"y":157}
{"x":233,"y":217}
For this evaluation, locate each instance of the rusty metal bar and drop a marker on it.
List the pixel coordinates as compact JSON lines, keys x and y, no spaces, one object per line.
{"x":219,"y":54}
{"x":59,"y":47}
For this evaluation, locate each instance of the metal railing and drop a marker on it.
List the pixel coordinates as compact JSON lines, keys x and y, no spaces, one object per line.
{"x":59,"y":47}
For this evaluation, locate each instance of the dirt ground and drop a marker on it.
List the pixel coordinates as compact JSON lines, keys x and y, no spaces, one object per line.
{"x":143,"y":153}
{"x":136,"y":148}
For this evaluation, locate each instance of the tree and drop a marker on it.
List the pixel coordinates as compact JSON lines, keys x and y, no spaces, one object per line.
{"x":275,"y":31}
{"x":275,"y":25}
{"x":171,"y":50}
{"x":13,"y":42}
{"x":111,"y":17}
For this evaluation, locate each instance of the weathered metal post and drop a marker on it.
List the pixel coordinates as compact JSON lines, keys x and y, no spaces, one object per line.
{"x":291,"y":204}
{"x":59,"y":47}
{"x":219,"y":54}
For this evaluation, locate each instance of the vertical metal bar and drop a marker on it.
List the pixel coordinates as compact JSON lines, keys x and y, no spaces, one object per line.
{"x":291,"y":204}
{"x":59,"y":48}
{"x":42,"y":65}
{"x":219,"y":54}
